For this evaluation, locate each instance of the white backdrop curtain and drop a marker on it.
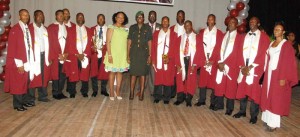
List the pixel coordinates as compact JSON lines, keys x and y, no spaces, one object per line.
{"x":195,"y":10}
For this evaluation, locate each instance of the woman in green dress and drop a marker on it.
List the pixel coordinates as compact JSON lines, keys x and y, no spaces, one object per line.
{"x":115,"y":58}
{"x":139,"y":49}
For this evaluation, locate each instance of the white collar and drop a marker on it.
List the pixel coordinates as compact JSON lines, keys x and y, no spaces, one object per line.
{"x":214,"y":29}
{"x":154,"y":24}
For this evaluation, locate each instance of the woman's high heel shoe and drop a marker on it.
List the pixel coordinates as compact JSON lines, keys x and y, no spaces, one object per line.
{"x":118,"y":97}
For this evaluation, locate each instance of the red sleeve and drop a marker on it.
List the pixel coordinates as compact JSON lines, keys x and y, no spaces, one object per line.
{"x":50,"y":30}
{"x":287,"y":64}
{"x":88,"y":50}
{"x":154,"y":48}
{"x":177,"y":41}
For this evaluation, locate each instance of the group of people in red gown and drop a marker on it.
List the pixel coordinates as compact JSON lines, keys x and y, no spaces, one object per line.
{"x":230,"y":64}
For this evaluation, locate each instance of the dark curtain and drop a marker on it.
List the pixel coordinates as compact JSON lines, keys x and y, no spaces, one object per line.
{"x":271,"y":11}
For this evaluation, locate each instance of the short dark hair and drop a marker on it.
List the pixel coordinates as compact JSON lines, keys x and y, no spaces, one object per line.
{"x":234,"y":19}
{"x":181,"y":11}
{"x":166,"y":18}
{"x":152,"y":11}
{"x":254,"y":17}
{"x":58,"y":11}
{"x":79,"y":14}
{"x":100,"y":15}
{"x":188,"y":21}
{"x":212,"y":15}
{"x":37,"y":11}
{"x":125,"y":17}
{"x":65,"y":9}
{"x":21,"y":10}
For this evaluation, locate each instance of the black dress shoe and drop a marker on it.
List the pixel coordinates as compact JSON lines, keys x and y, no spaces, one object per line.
{"x":28,"y":104}
{"x":253,"y":120}
{"x":212,"y":106}
{"x":177,"y":103}
{"x":188,"y":104}
{"x":199,"y":104}
{"x":72,"y":95}
{"x":270,"y":129}
{"x":216,"y":108}
{"x":228,"y":112}
{"x":20,"y":108}
{"x":238,"y":115}
{"x":44,"y":100}
{"x":156,"y":101}
{"x":95,"y":94}
{"x":104,"y":93}
{"x":166,"y":102}
{"x":57,"y":97}
{"x":62,"y":96}
{"x":85,"y":95}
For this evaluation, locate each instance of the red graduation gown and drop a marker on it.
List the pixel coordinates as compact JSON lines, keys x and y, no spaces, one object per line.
{"x":190,"y":84}
{"x":207,"y":80}
{"x":164,"y":77}
{"x":37,"y":80}
{"x":54,"y":49}
{"x":71,"y":68}
{"x":228,"y":87}
{"x":279,"y":98}
{"x":15,"y":83}
{"x":177,"y":41}
{"x":95,"y":71}
{"x":253,"y":91}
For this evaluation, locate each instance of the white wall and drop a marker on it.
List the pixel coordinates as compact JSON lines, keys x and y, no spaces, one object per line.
{"x":196,"y":10}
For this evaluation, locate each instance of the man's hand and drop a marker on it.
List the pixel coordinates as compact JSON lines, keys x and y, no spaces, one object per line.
{"x":221,"y":66}
{"x":245,"y":70}
{"x":60,"y":57}
{"x":178,"y":69}
{"x":209,"y":63}
{"x":21,"y":70}
{"x":80,"y":57}
{"x":166,"y":60}
{"x":281,"y":82}
{"x":192,"y":69}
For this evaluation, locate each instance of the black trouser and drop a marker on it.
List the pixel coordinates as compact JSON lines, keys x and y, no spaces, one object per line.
{"x":220,"y":103}
{"x":58,"y":85}
{"x":42,"y":91}
{"x":202,"y":94}
{"x":71,"y":86}
{"x":18,"y":100}
{"x":254,"y":108}
{"x":186,"y":61}
{"x":95,"y":84}
{"x":95,"y":80}
{"x":162,"y":92}
{"x":173,"y":88}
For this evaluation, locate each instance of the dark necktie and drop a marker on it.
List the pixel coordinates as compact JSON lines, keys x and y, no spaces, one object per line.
{"x":152,"y":28}
{"x":100,"y":33}
{"x":28,"y":43}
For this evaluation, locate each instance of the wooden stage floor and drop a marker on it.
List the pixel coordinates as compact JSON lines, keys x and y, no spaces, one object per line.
{"x":100,"y":117}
